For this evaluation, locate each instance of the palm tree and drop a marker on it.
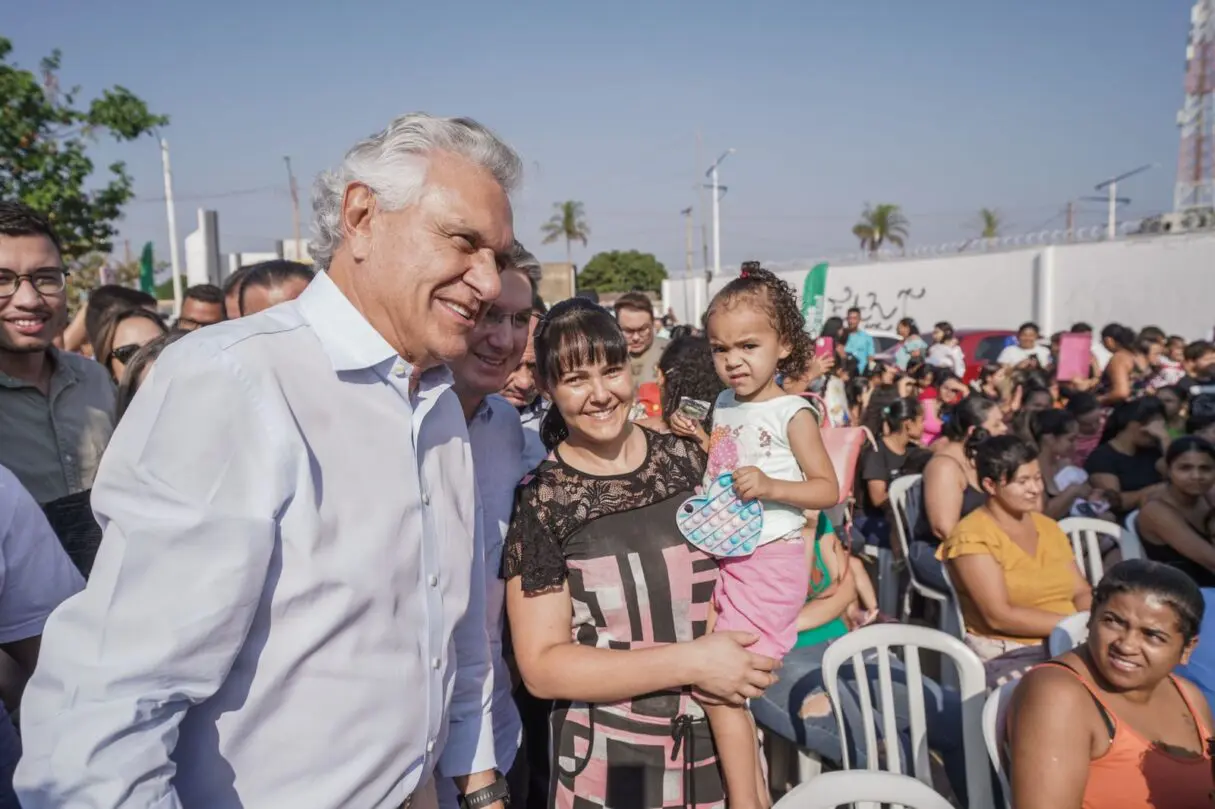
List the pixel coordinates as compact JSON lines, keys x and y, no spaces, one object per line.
{"x":569,"y":223}
{"x":990,"y":222}
{"x":880,"y":224}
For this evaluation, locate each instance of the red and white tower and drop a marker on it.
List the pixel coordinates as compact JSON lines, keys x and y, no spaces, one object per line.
{"x":1195,"y":187}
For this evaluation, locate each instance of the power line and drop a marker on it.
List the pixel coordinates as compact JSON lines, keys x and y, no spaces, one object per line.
{"x":243,"y":192}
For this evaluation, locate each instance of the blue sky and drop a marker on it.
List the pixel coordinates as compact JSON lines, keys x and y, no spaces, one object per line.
{"x":941,"y":106}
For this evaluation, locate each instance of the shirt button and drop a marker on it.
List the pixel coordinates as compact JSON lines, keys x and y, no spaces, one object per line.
{"x":433,"y":581}
{"x":430,"y":746}
{"x":425,"y":499}
{"x":398,"y":368}
{"x":436,"y":663}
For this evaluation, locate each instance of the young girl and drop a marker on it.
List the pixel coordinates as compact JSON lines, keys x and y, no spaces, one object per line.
{"x":770,"y":443}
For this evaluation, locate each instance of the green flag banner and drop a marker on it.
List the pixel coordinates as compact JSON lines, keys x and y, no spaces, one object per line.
{"x":814,"y":298}
{"x":147,"y":270}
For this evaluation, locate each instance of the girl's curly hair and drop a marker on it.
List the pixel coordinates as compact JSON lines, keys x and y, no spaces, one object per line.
{"x":775,"y":297}
{"x":687,"y":370}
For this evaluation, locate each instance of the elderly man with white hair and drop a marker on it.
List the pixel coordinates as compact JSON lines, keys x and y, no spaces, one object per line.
{"x":288,"y":609}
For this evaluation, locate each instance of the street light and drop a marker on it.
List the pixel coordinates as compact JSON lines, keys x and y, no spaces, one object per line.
{"x":1112,"y":185}
{"x":712,"y":175}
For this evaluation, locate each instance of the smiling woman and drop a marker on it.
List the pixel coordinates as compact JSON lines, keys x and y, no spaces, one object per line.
{"x":1108,"y":725}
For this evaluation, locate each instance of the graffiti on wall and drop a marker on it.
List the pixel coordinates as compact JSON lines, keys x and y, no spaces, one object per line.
{"x":876,"y":314}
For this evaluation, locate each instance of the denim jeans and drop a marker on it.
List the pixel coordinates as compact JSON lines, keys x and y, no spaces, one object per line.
{"x":801,"y":676}
{"x":922,"y":556}
{"x":10,"y":753}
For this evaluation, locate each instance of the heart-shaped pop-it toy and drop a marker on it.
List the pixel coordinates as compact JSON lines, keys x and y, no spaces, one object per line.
{"x":719,"y":523}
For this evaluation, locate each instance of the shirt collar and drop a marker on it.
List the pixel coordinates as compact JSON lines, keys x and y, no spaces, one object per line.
{"x":349,"y":340}
{"x":484,"y":411}
{"x":63,"y":373}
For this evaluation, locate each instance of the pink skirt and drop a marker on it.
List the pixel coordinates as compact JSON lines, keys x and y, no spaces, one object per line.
{"x":763,"y":593}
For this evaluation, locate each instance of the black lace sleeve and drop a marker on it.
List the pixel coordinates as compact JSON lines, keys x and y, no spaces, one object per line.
{"x":530,"y":549}
{"x":687,"y":456}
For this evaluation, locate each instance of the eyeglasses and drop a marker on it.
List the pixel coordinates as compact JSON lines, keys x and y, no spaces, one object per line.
{"x":124,"y":353}
{"x":642,"y":332}
{"x":46,"y":281}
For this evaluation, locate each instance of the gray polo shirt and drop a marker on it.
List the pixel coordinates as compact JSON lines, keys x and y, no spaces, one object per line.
{"x":53,"y":444}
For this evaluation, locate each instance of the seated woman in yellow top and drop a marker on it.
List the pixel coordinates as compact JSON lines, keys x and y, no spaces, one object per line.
{"x":1011,"y":565}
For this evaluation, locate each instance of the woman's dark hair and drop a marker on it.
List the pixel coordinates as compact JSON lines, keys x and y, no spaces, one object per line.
{"x":272,"y":274}
{"x":959,"y":419}
{"x":1153,"y":334}
{"x":1050,"y":422}
{"x":1030,"y":390}
{"x":778,"y":300}
{"x":912,"y":328}
{"x":946,"y":329}
{"x":681,"y":331}
{"x":999,"y":457}
{"x":1136,"y":411}
{"x":1081,"y":404}
{"x":574,"y":333}
{"x":1166,"y":583}
{"x":921,"y":372}
{"x":1121,"y":336}
{"x":833,"y":327}
{"x":887,"y":411}
{"x":687,"y":370}
{"x":143,"y":358}
{"x":1189,"y":443}
{"x":103,"y":350}
{"x":855,"y":389}
{"x":988,"y":370}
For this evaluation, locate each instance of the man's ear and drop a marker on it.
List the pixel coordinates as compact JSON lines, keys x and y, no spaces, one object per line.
{"x":358,"y":209}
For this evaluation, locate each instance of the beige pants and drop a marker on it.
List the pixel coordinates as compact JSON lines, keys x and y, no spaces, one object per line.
{"x":425,"y":797}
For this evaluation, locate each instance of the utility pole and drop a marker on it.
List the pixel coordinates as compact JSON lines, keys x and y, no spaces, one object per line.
{"x":704,"y":230}
{"x":687,"y":272}
{"x":174,"y":251}
{"x":1112,"y":199}
{"x":295,"y":209}
{"x":1071,"y":218}
{"x":718,"y":189}
{"x":126,"y":251}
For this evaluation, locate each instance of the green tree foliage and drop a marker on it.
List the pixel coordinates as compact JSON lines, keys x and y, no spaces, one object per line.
{"x":880,"y":224}
{"x":44,"y":137}
{"x":568,"y":222}
{"x":622,"y":271}
{"x":85,"y":276}
{"x":990,"y":223}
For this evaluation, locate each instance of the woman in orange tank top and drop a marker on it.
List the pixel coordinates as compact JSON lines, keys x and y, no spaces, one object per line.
{"x":1108,"y":726}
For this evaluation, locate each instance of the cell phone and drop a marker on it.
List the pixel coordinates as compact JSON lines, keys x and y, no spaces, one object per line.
{"x":824,"y":347}
{"x":695,"y":409}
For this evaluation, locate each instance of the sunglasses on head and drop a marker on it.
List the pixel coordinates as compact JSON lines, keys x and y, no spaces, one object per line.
{"x":124,"y":353}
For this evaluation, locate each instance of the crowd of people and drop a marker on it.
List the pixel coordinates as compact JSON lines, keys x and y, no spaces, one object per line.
{"x":389,"y":531}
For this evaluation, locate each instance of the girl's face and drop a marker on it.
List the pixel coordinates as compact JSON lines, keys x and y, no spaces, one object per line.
{"x":1177,"y":351}
{"x":1155,"y":352}
{"x":594,"y":400}
{"x":1021,"y":494}
{"x":129,"y":336}
{"x":1135,"y":640}
{"x":1039,"y":400}
{"x":915,"y":427}
{"x":906,"y":387}
{"x":746,"y":348}
{"x":1059,"y":447}
{"x":902,"y":330}
{"x":993,"y":422}
{"x":890,"y":375}
{"x":1172,"y":404}
{"x":1192,"y":473}
{"x":1143,"y":435}
{"x":938,"y":336}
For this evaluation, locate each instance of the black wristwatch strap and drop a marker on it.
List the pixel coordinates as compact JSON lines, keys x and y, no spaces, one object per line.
{"x":487,"y":796}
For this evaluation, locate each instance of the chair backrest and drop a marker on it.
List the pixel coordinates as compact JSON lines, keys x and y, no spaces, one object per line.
{"x":1129,"y":543}
{"x":899,"y":489}
{"x":995,"y":717}
{"x":956,"y":623}
{"x":1068,"y":634}
{"x":847,"y":787}
{"x":1085,"y":534}
{"x":872,"y":646}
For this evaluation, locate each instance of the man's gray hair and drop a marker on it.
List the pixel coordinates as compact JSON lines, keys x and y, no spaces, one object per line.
{"x":392,"y":163}
{"x":522,"y":260}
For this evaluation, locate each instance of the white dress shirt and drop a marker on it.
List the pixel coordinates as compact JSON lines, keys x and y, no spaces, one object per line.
{"x":288,"y":606}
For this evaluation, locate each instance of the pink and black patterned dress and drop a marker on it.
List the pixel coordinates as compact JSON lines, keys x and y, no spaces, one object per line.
{"x":635,"y":583}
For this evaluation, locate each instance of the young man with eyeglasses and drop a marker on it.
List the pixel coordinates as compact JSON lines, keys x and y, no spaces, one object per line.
{"x":56,"y":408}
{"x":635,"y":314}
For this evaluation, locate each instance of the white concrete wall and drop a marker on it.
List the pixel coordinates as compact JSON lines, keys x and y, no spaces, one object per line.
{"x":1167,"y":281}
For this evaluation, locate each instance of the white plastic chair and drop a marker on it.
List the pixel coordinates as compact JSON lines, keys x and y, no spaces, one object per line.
{"x":899,"y":491}
{"x":1129,"y":542}
{"x":995,"y":718}
{"x":846,"y":788}
{"x":1068,"y":634}
{"x":1085,"y":534}
{"x":874,"y":644}
{"x":957,"y":623}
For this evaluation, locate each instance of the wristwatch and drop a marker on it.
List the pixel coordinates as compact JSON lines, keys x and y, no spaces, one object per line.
{"x":499,"y":790}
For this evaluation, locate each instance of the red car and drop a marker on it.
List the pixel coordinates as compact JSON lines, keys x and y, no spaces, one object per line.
{"x":981,"y":346}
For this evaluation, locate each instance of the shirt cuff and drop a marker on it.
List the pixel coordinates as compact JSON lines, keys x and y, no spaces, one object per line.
{"x":469,"y":748}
